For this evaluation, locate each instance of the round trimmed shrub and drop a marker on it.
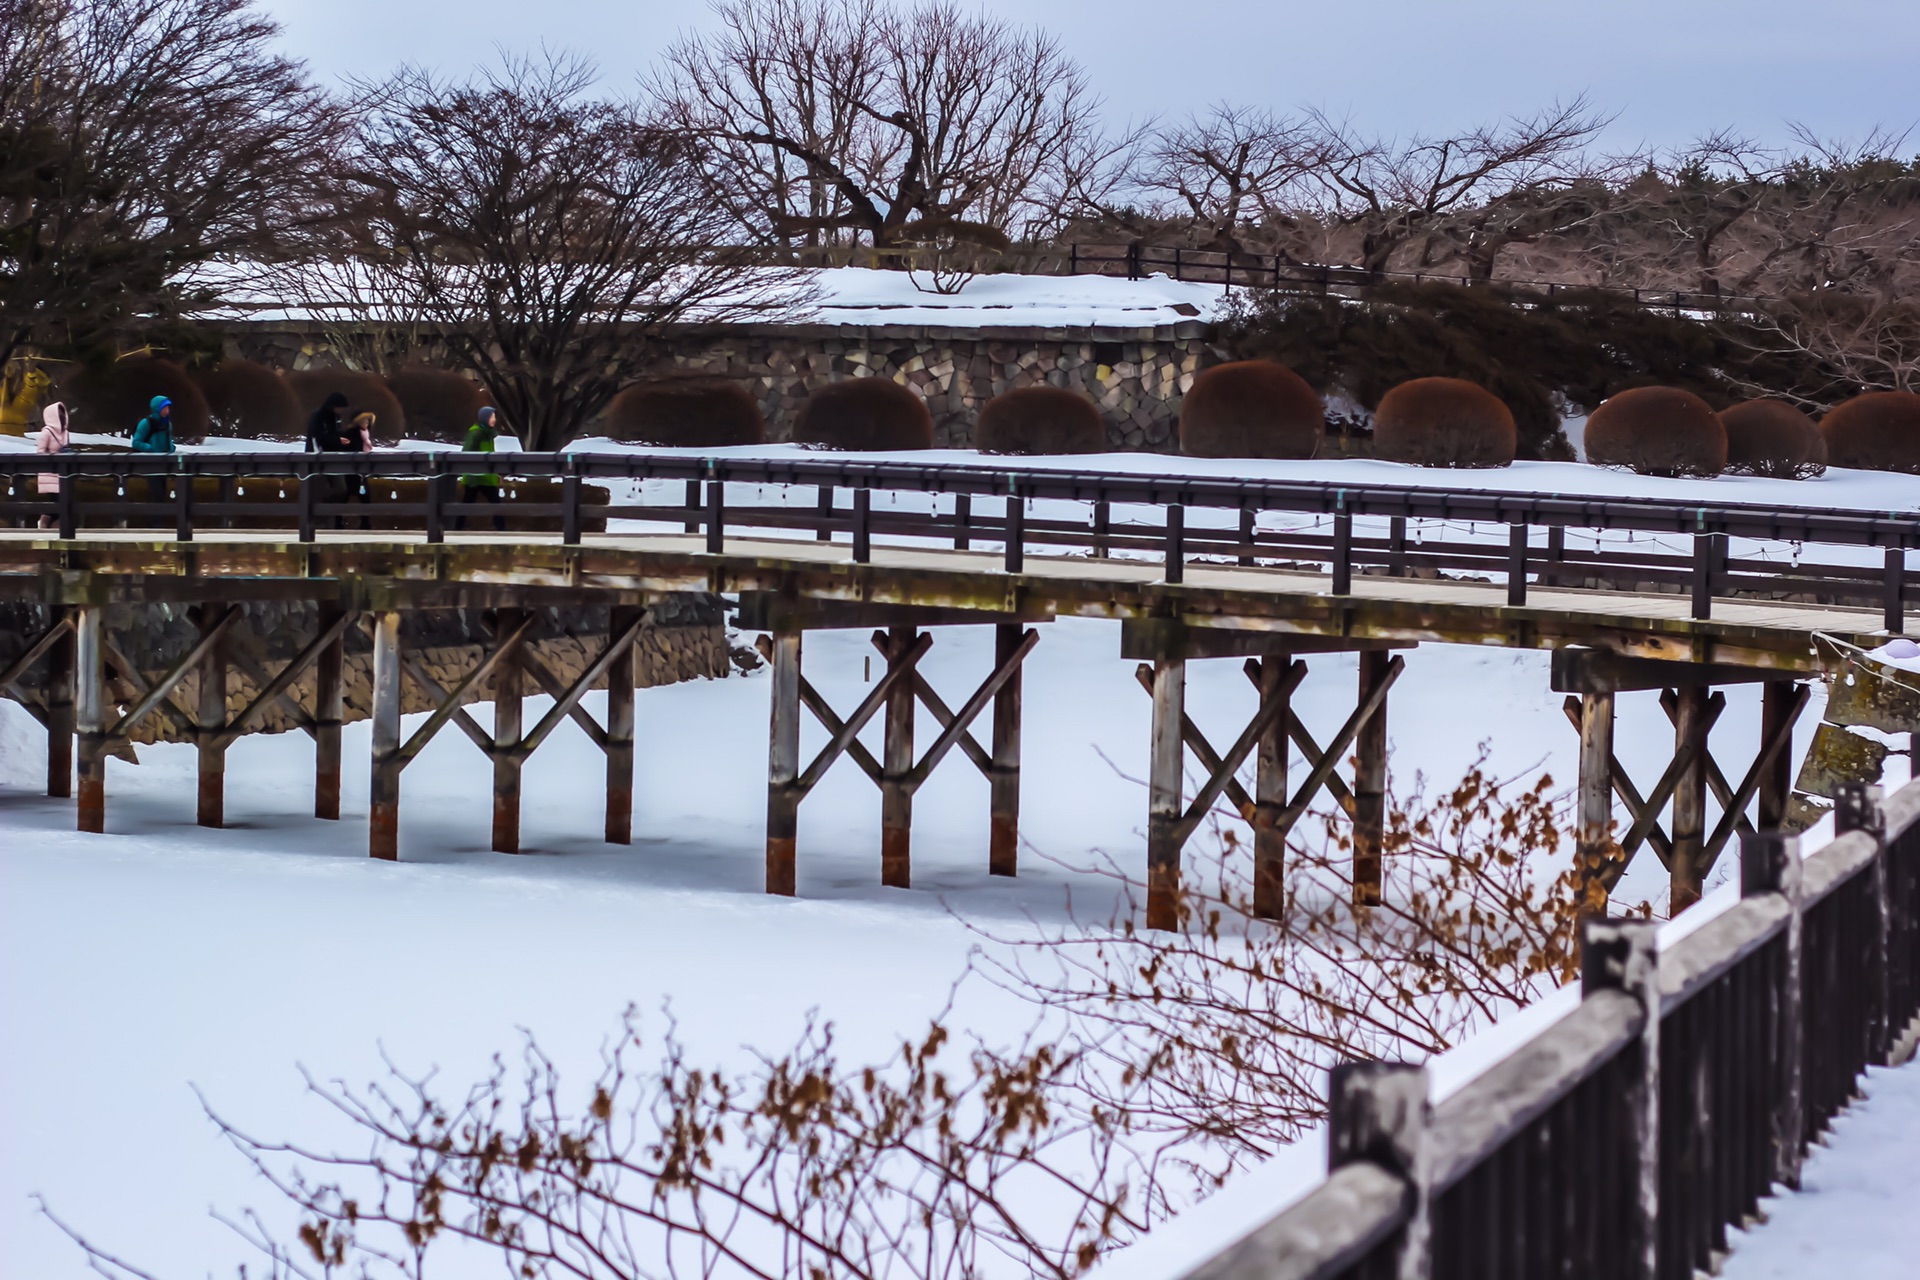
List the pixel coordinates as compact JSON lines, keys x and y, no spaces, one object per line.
{"x":1040,"y":419}
{"x":1444,"y":422}
{"x":114,"y":399}
{"x":871,"y":414}
{"x":437,"y":404}
{"x":1251,"y":409}
{"x":365,"y":393}
{"x":1879,"y":431}
{"x":250,"y":401}
{"x":1657,"y":431}
{"x":686,"y":413}
{"x":1772,"y":438}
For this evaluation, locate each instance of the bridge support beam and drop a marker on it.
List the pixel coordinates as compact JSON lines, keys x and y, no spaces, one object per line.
{"x":620,"y":734}
{"x":1165,"y":801}
{"x":329,"y":709}
{"x":896,"y":768}
{"x":59,"y":687}
{"x":1003,"y":847}
{"x":1690,"y":725}
{"x":90,"y":716}
{"x":1593,"y":838}
{"x":783,"y":762}
{"x":1270,"y":794}
{"x":210,"y":722}
{"x":383,"y":818}
{"x":1370,"y":780}
{"x":507,"y":689}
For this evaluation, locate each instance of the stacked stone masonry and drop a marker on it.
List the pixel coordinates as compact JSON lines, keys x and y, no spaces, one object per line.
{"x":1136,"y":376}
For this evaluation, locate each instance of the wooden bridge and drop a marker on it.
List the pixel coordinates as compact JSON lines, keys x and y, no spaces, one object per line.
{"x":1184,"y":564}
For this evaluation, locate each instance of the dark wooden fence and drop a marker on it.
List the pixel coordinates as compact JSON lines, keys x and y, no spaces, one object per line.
{"x":1622,"y":1142}
{"x":550,"y":490}
{"x":1271,"y":271}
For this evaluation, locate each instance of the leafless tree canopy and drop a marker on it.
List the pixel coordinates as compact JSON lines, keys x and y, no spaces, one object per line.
{"x":829,"y":120}
{"x":544,"y":231}
{"x":138,"y":140}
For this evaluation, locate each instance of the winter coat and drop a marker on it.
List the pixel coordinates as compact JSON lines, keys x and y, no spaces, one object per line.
{"x":480,"y":437}
{"x":155,"y":433}
{"x":54,"y":438}
{"x":326,"y":432}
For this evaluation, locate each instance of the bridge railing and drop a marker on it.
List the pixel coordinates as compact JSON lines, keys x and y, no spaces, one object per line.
{"x":1624,"y":1140}
{"x":1175,"y":519}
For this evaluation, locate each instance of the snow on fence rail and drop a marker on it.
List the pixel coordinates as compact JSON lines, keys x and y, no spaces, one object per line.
{"x":1155,"y":506}
{"x":1623,"y":1141}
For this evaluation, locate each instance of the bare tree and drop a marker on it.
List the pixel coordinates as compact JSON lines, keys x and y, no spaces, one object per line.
{"x":545,"y":233}
{"x":141,"y":140}
{"x":829,"y":120}
{"x":1394,"y":192}
{"x":1230,"y":174}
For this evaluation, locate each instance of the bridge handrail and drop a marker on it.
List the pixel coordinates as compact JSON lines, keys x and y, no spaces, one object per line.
{"x":1566,"y":1156}
{"x":1325,"y":497}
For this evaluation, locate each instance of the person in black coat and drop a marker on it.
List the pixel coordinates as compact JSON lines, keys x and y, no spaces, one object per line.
{"x":326,"y":429}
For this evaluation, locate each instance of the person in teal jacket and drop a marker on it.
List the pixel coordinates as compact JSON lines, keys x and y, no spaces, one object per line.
{"x":155,"y":435}
{"x":481,"y":486}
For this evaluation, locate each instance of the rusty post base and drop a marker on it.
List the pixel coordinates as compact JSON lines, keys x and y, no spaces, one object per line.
{"x":326,"y":771}
{"x":212,"y":809}
{"x":896,"y":857}
{"x":506,"y":808}
{"x":1003,"y":842}
{"x":1163,"y":874}
{"x":1269,"y":862}
{"x":93,"y":799}
{"x":780,"y":865}
{"x":619,"y":799}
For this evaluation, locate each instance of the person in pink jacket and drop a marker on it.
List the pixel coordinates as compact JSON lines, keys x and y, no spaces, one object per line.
{"x":54,"y":438}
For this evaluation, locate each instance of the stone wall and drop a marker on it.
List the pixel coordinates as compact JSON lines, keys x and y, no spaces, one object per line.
{"x":1136,"y":376}
{"x":685,"y":640}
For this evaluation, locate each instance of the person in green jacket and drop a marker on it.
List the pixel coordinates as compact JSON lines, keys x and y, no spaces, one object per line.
{"x":155,"y":435}
{"x":481,"y":487}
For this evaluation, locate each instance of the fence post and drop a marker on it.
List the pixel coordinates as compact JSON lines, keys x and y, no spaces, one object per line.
{"x":1343,"y":552}
{"x":716,"y":517}
{"x":1709,"y":563}
{"x":1176,"y":543}
{"x":1378,"y":1112}
{"x":570,"y":506}
{"x":1896,"y":605}
{"x":1856,"y":807}
{"x":962,"y":521}
{"x":1770,"y":863}
{"x":825,"y":509}
{"x":1516,"y":565}
{"x":1624,"y":955}
{"x":862,"y":525}
{"x":1016,"y":529}
{"x":69,"y":506}
{"x":436,"y":507}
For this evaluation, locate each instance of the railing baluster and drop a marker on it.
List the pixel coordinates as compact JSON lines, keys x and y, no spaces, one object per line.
{"x":1516,"y":565}
{"x":570,"y":509}
{"x":1397,"y":546}
{"x":716,"y":516}
{"x":1894,"y":584}
{"x":1246,"y":536}
{"x":1176,"y":565}
{"x":437,"y":506}
{"x":1343,"y":553}
{"x":862,"y":526}
{"x":1102,"y":528}
{"x":310,"y":483}
{"x":1016,"y":531}
{"x":962,"y":522}
{"x":1709,"y":564}
{"x":824,"y":508}
{"x":692,"y":505}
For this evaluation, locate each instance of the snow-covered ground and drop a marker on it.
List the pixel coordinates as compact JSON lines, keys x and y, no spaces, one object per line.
{"x":161,"y":956}
{"x":1854,"y":1215}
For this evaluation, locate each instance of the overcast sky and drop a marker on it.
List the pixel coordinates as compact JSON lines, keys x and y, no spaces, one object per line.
{"x":1671,"y":69}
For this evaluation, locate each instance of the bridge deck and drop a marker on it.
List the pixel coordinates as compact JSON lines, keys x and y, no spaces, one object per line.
{"x":409,"y":570}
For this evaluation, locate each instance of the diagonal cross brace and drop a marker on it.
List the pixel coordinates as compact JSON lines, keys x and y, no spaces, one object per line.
{"x":823,"y":712}
{"x":971,"y":711}
{"x":1716,"y":780}
{"x":243,"y":654}
{"x":129,"y":675}
{"x":1270,"y":710}
{"x":462,"y":692}
{"x":1734,"y":811}
{"x":1198,"y":744}
{"x":1309,"y":749}
{"x":942,"y":714}
{"x":278,"y":686}
{"x":551,"y":686}
{"x":563,"y":706}
{"x":411,"y":668}
{"x":156,"y":693}
{"x":11,"y":676}
{"x":901,"y":669}
{"x":1297,"y":807}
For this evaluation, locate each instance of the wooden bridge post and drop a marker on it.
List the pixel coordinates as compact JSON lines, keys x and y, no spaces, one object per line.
{"x":896,"y":763}
{"x":1370,"y":782}
{"x":507,"y":727}
{"x":1270,"y":796}
{"x":59,"y":688}
{"x":1593,"y":840}
{"x":1165,"y":801}
{"x":210,"y":719}
{"x":329,"y":709}
{"x":1689,"y":799}
{"x":783,"y":763}
{"x":620,"y":734}
{"x":1003,"y":841}
{"x":383,"y":821}
{"x":90,"y":714}
{"x":1776,"y":781}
